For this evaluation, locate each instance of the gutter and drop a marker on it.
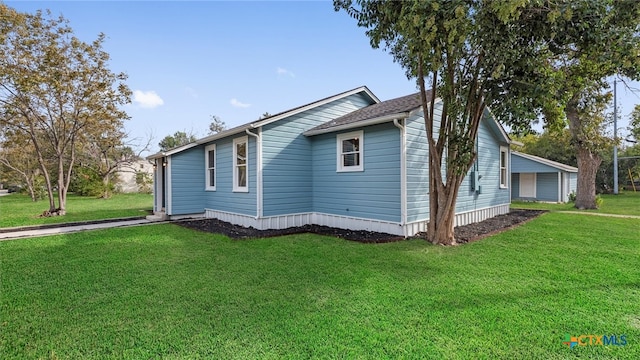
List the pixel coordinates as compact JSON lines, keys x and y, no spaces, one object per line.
{"x":259,"y":173}
{"x":368,"y":122}
{"x":403,"y":174}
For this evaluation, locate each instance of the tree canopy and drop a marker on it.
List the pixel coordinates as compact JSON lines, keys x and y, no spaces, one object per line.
{"x":179,"y":138}
{"x":57,"y":91}
{"x":521,"y":59}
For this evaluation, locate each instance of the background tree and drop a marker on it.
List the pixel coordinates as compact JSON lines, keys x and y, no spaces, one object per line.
{"x":634,"y":124}
{"x":264,"y":116}
{"x":18,"y":164}
{"x":54,"y":88}
{"x":217,"y":125}
{"x":586,"y":42}
{"x":179,"y":138}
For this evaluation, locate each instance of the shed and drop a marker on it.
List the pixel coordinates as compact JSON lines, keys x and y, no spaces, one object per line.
{"x":538,"y":179}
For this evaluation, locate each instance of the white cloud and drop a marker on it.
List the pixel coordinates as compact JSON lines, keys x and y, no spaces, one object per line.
{"x":147,"y":99}
{"x":284,"y":72}
{"x":236,"y":103}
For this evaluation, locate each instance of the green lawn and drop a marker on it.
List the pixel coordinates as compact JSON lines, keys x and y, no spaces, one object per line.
{"x":163,"y":291}
{"x":19,"y":210}
{"x":625,"y":203}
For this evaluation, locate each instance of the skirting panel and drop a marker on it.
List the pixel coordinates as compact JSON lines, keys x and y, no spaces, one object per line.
{"x":465,"y":218}
{"x":344,"y":222}
{"x":474,"y":216}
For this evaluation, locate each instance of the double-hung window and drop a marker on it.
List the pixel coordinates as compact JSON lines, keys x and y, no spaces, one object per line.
{"x":350,"y":151}
{"x":240,"y":164}
{"x":504,"y":167}
{"x":210,"y":163}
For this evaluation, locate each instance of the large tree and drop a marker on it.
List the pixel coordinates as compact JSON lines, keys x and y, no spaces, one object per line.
{"x":55,"y":88}
{"x":506,"y":55}
{"x":470,"y":55}
{"x":585,"y":43}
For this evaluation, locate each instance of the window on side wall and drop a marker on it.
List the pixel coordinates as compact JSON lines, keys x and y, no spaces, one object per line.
{"x":504,"y":167}
{"x":350,"y":151}
{"x":210,"y":163}
{"x":240,"y":163}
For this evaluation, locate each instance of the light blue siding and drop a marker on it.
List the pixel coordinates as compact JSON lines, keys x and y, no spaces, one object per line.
{"x":287,"y":168}
{"x":224,"y":199}
{"x":547,"y":186}
{"x":488,"y":166}
{"x":187,"y":181}
{"x":417,"y":162}
{"x":373,"y":193}
{"x":515,"y":185}
{"x":522,"y":165}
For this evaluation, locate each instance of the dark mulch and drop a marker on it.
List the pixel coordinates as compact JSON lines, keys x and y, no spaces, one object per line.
{"x":467,"y":233}
{"x":495,"y":225}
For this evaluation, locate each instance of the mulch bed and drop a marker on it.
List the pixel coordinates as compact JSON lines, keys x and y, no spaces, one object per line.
{"x":466,"y":233}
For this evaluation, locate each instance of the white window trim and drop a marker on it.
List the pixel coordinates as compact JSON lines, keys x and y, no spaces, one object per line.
{"x":505,"y":150}
{"x":346,"y":136}
{"x":236,"y":141}
{"x":207,"y":175}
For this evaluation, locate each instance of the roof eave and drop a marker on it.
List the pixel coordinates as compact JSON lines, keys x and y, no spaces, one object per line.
{"x":162,"y":154}
{"x":357,"y":124}
{"x":547,"y":162}
{"x":316,"y":104}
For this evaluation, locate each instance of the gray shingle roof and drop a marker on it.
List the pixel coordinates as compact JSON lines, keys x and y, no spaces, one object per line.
{"x":399,"y":105}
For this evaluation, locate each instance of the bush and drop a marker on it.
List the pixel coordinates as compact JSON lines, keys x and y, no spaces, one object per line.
{"x":572,"y":197}
{"x":599,"y":201}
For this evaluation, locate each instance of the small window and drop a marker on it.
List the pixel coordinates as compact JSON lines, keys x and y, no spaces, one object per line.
{"x":350,"y":151}
{"x":240,"y":161}
{"x":504,"y":166}
{"x":210,"y":159}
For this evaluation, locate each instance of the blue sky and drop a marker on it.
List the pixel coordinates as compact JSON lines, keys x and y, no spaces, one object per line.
{"x":189,"y":60}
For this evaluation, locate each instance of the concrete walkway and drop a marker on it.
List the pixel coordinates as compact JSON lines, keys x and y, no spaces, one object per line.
{"x":18,"y":233}
{"x":601,"y":214}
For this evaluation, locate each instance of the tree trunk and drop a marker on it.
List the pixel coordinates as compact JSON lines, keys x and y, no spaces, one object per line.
{"x":440,"y":229}
{"x":106,"y":193}
{"x":588,"y":160}
{"x":588,"y":164}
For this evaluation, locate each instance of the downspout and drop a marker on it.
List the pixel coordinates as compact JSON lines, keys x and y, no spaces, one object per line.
{"x":403,"y":175}
{"x":259,"y":171}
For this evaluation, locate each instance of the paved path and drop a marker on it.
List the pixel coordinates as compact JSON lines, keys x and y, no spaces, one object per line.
{"x":27,"y":233}
{"x":601,"y":214}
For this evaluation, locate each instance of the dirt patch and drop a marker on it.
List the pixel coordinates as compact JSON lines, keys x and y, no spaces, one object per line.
{"x":467,"y":233}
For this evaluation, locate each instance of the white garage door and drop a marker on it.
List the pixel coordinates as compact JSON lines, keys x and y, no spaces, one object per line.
{"x":527,"y":185}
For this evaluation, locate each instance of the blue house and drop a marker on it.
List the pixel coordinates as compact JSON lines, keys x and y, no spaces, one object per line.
{"x":348,"y":161}
{"x":534,"y":178}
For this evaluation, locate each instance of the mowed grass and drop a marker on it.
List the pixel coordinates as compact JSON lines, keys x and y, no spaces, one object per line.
{"x":163,"y":291}
{"x":19,"y":210}
{"x":625,"y":203}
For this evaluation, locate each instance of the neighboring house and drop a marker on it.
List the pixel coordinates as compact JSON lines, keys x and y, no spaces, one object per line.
{"x":539,"y":179}
{"x":347,"y":161}
{"x":127,"y":173}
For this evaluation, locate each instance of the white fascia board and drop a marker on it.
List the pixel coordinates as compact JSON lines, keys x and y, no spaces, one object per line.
{"x":316,"y":104}
{"x":225,"y":133}
{"x":358,"y":124}
{"x":172,"y":151}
